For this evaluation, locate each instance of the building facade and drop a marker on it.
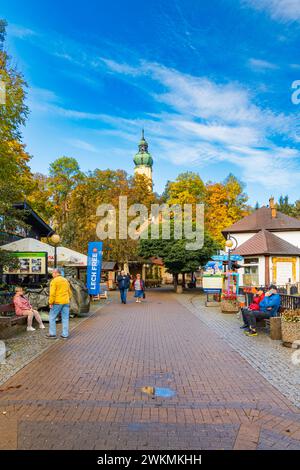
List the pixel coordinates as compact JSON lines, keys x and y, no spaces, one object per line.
{"x":143,"y":161}
{"x":269,"y":242}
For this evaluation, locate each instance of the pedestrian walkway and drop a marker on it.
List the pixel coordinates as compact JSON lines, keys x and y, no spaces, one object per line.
{"x":86,"y":393}
{"x":267,"y":356}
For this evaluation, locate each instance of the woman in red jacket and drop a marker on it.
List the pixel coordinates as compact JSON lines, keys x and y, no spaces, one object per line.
{"x":254,"y":306}
{"x":24,"y":308}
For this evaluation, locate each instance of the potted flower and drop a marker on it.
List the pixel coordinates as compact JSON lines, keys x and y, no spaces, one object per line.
{"x":229,"y":303}
{"x":290,"y":326}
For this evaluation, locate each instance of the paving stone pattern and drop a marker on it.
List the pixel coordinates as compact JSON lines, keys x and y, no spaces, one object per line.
{"x":85,"y":393}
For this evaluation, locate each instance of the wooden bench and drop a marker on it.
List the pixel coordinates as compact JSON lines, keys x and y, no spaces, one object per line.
{"x":10,"y":320}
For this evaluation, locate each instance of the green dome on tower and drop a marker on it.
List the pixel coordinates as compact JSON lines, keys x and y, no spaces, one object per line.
{"x":143,"y":157}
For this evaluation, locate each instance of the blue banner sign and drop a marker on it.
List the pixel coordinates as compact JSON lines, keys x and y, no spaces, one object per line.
{"x":94,"y":267}
{"x":225,"y":258}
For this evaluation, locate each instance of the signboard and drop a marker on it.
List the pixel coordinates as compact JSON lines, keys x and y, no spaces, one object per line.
{"x":29,"y":263}
{"x":225,"y":257}
{"x":212,"y":283}
{"x":94,"y":267}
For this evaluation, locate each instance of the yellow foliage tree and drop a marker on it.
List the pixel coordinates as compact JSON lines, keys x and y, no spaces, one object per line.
{"x":225,"y":204}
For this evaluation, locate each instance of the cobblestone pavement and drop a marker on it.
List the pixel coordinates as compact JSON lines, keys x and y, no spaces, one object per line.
{"x":24,"y":346}
{"x":268,"y":357}
{"x":85,"y":393}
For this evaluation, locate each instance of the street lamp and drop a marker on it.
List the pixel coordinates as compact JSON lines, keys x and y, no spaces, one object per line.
{"x":231,"y":243}
{"x":55,"y":240}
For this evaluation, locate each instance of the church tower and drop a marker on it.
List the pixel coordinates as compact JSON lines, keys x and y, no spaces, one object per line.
{"x":143,"y":160}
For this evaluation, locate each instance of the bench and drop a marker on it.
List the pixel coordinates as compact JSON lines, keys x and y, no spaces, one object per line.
{"x":8,"y":316}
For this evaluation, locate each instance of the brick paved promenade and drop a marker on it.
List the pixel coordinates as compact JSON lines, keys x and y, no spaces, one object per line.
{"x":85,"y":393}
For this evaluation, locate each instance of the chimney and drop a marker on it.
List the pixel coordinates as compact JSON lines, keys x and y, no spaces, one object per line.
{"x":273,"y":208}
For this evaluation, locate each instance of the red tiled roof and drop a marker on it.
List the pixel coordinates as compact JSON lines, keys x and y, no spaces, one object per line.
{"x":157,"y":261}
{"x":262,"y":219}
{"x":266,"y":243}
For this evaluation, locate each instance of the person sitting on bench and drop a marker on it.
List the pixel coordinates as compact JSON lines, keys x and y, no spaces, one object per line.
{"x":24,"y":308}
{"x":254,"y":306}
{"x":268,"y":308}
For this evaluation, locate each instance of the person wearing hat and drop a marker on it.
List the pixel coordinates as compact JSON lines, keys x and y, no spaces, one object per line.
{"x":268,"y":308}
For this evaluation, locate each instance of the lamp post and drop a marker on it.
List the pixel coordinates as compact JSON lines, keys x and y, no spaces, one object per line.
{"x":55,"y":240}
{"x":231,"y":243}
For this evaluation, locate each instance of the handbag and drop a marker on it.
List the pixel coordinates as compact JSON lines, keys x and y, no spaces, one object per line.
{"x":144,"y":294}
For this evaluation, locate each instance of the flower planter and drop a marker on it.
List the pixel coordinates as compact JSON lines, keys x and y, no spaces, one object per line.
{"x":230,"y":306}
{"x":290,"y":331}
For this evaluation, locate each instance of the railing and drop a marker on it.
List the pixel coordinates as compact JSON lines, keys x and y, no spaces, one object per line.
{"x":290,"y":302}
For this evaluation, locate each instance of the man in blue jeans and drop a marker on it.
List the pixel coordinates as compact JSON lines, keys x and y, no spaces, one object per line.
{"x":123,"y":283}
{"x":59,"y":303}
{"x":268,"y":308}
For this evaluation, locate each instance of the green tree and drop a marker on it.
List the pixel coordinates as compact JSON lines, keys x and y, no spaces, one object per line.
{"x":285,"y":206}
{"x":177,"y":259}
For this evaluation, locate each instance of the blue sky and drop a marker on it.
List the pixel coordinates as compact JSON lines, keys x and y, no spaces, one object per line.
{"x":210,"y":81}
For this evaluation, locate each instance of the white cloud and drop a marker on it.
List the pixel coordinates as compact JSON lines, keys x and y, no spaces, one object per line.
{"x":261,"y":65}
{"x":20,"y":32}
{"x":82,"y":145}
{"x":282,"y":10}
{"x":200,"y":123}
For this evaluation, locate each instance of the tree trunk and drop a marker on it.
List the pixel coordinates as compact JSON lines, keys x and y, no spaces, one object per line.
{"x":175,"y":278}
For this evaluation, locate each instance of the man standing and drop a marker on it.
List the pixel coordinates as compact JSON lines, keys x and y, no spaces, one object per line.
{"x":123,"y":283}
{"x":59,"y":302}
{"x":268,"y":308}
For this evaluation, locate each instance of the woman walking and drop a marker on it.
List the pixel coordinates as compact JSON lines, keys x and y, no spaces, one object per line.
{"x":139,"y":288}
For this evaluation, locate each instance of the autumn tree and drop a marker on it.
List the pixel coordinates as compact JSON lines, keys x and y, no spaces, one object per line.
{"x":104,"y":187}
{"x":225,"y":204}
{"x":15,"y":175}
{"x":39,"y":196}
{"x":188,"y":188}
{"x":64,"y":176}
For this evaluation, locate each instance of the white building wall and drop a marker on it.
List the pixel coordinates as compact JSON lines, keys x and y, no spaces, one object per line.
{"x":278,"y":267}
{"x":291,"y":237}
{"x":261,"y":270}
{"x":242,"y":237}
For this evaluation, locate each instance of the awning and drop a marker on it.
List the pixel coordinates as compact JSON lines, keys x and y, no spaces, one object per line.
{"x":64,"y":255}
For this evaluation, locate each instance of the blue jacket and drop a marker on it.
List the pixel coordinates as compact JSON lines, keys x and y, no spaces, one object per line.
{"x":272,"y":301}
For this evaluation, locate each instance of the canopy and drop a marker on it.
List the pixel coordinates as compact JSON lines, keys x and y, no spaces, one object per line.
{"x":64,"y":255}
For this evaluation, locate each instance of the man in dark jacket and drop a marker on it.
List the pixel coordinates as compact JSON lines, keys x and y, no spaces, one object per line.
{"x":123,"y":283}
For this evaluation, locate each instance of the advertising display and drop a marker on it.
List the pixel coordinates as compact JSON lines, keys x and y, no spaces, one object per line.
{"x":29,"y":263}
{"x":94,"y":267}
